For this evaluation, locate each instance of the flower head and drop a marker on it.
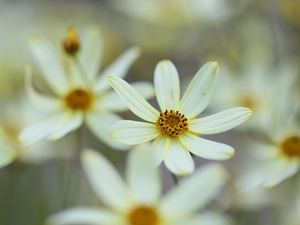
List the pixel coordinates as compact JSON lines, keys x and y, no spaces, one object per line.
{"x":175,"y":129}
{"x":139,"y":200}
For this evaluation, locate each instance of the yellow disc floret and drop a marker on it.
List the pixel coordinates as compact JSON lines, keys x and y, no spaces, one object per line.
{"x":79,"y":99}
{"x":172,"y":123}
{"x":71,"y":43}
{"x":143,"y":215}
{"x":291,"y":146}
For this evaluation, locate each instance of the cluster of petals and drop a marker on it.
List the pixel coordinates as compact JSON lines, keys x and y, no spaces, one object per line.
{"x":175,"y":151}
{"x":143,"y":189}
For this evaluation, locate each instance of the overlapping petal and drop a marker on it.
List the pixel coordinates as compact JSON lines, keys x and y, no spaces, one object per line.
{"x":166,"y":82}
{"x":221,"y":121}
{"x":200,"y":91}
{"x":105,"y":180}
{"x":135,"y":102}
{"x":7,"y":155}
{"x":160,"y":147}
{"x":205,"y":148}
{"x":133,"y":133}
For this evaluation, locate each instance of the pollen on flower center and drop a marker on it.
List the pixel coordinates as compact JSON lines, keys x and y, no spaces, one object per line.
{"x":172,"y":123}
{"x":291,"y":146}
{"x":79,"y":99}
{"x":71,"y":43}
{"x":143,"y":215}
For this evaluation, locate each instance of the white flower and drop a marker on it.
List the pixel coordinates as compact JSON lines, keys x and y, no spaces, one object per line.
{"x":81,"y":96}
{"x":176,"y":129}
{"x":139,"y":201}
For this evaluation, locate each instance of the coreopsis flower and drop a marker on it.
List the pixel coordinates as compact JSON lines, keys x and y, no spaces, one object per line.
{"x":175,"y":129}
{"x":139,"y":200}
{"x":80,"y":96}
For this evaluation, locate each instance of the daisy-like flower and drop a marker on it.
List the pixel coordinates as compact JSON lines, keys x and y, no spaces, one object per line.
{"x":139,"y":201}
{"x":80,"y":96}
{"x":175,"y":129}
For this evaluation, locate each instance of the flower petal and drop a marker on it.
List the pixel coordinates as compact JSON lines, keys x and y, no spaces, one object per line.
{"x":101,"y":123}
{"x":205,"y":148}
{"x":72,"y":120}
{"x":133,"y":133}
{"x":118,"y":68}
{"x":135,"y":102}
{"x":80,"y":215}
{"x":221,"y":121}
{"x":90,"y":53}
{"x":7,"y":155}
{"x":105,"y":180}
{"x":194,"y":191}
{"x":200,"y":91}
{"x":40,"y":101}
{"x":113,"y":101}
{"x":166,"y":82}
{"x":143,"y":176}
{"x":50,"y":64}
{"x":160,"y":147}
{"x":178,"y":159}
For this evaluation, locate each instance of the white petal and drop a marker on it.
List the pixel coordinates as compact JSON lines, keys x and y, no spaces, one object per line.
{"x":200,"y":91}
{"x":220,"y":122}
{"x":101,"y":123}
{"x":194,"y":191}
{"x":91,"y":50}
{"x":82,"y":215}
{"x":113,"y":101}
{"x":105,"y":180}
{"x":50,"y":64}
{"x":133,"y":133}
{"x":166,"y":82}
{"x":45,"y":103}
{"x":143,"y":176}
{"x":118,"y":68}
{"x":135,"y":102}
{"x":205,"y":148}
{"x":70,"y":122}
{"x":160,"y":147}
{"x":178,"y":159}
{"x":208,"y":218}
{"x":36,"y":132}
{"x":7,"y":155}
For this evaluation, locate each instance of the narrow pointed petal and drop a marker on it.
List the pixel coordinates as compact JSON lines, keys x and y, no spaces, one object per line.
{"x":7,"y":155}
{"x":143,"y":176}
{"x":50,"y":64}
{"x":118,"y":68}
{"x":221,"y":121}
{"x":71,"y":121}
{"x":205,"y":148}
{"x":113,"y":101}
{"x":200,"y":91}
{"x":91,"y":50}
{"x":135,"y":102}
{"x":101,"y":123}
{"x":178,"y":159}
{"x":160,"y":147}
{"x":36,"y":132}
{"x":105,"y":180}
{"x":82,"y":215}
{"x":133,"y":133}
{"x":166,"y":82}
{"x":208,"y":218}
{"x":194,"y":191}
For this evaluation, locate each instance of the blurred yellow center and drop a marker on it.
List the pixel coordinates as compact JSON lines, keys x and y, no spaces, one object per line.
{"x":71,"y":43}
{"x":291,"y":146}
{"x":143,"y":215}
{"x":172,"y":123}
{"x":79,"y":99}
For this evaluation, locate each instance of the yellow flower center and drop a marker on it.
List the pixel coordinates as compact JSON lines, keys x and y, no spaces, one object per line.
{"x":71,"y":43}
{"x":79,"y":99}
{"x":172,"y":123}
{"x":291,"y":146}
{"x":143,"y":215}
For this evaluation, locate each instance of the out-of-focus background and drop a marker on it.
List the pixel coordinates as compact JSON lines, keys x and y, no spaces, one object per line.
{"x":257,"y":46}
